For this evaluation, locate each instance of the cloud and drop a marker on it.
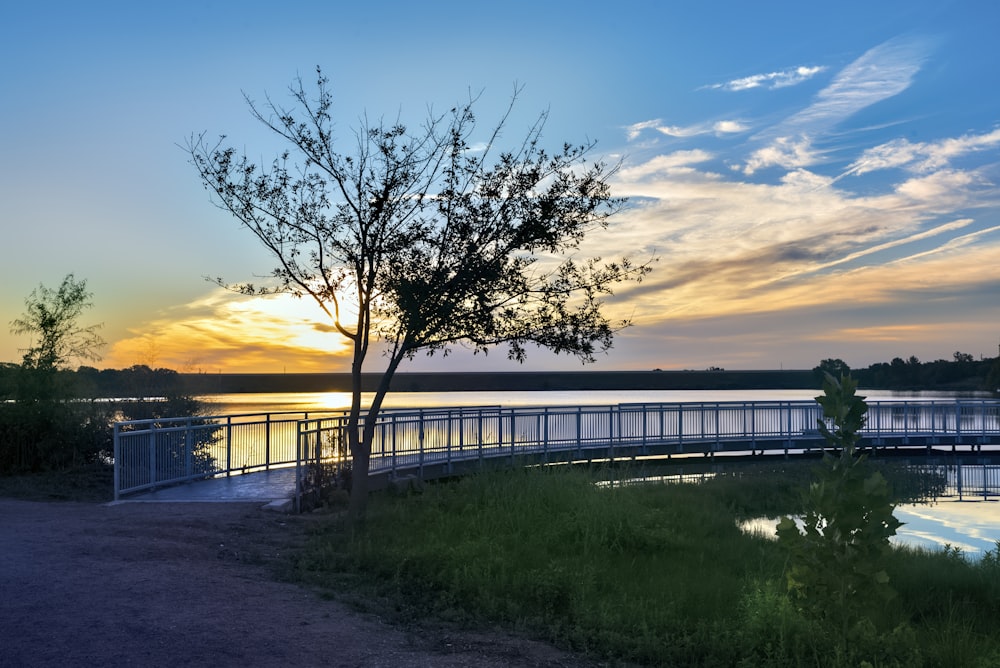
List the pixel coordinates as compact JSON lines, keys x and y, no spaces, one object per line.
{"x":922,"y":156}
{"x":880,"y":73}
{"x":731,"y":248}
{"x":718,"y":128}
{"x":223,"y":331}
{"x":786,"y":152}
{"x":945,"y":189}
{"x":771,"y":80}
{"x":634,"y":130}
{"x":664,"y":164}
{"x":729,"y":127}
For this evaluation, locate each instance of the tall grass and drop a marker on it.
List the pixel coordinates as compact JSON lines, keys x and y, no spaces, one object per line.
{"x":652,"y":574}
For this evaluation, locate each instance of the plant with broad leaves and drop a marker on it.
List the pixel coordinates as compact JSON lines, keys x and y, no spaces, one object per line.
{"x":836,"y":568}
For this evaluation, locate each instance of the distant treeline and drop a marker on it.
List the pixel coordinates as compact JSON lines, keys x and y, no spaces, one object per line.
{"x":87,"y":382}
{"x":961,"y":373}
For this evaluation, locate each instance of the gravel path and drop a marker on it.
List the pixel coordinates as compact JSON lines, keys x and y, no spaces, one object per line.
{"x":191,"y":584}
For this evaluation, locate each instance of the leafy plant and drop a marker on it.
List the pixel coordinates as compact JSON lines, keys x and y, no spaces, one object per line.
{"x":836,"y":570}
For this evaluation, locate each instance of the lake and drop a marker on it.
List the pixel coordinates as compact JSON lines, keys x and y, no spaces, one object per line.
{"x":973,"y":526}
{"x":265,"y":402}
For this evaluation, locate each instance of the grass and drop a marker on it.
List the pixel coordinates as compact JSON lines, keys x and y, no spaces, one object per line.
{"x":650,"y":574}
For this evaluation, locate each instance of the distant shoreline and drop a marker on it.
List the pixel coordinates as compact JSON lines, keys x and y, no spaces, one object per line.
{"x":223,"y":383}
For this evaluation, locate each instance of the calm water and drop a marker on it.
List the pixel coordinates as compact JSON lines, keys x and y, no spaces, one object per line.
{"x":326,"y":401}
{"x":970,"y":525}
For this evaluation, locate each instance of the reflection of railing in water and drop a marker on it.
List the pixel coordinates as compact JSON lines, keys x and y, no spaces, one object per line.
{"x":154,"y":453}
{"x":970,"y":481}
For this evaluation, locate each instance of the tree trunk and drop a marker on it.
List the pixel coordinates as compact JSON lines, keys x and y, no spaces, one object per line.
{"x":362,"y":455}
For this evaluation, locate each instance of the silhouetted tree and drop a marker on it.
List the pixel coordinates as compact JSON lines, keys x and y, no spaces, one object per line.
{"x":52,"y":317}
{"x":833,"y":367}
{"x":41,"y":429}
{"x":433,"y":241}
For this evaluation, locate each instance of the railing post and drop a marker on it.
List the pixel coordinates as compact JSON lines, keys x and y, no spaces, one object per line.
{"x":395,"y":430}
{"x":500,"y":430}
{"x":612,"y":421}
{"x":513,"y":428}
{"x":188,"y":450}
{"x":545,"y":436}
{"x":229,"y":445}
{"x":118,"y":459}
{"x":680,"y":427}
{"x":579,"y":432}
{"x":267,"y":442}
{"x":788,"y":428}
{"x":718,"y":429}
{"x":152,"y":453}
{"x":958,"y":425}
{"x":448,"y":444}
{"x":298,"y":465}
{"x":420,"y":443}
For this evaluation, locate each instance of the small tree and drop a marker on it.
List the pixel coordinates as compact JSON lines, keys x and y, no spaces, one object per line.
{"x":431,"y":241}
{"x":52,"y":317}
{"x":836,"y":570}
{"x":41,"y":430}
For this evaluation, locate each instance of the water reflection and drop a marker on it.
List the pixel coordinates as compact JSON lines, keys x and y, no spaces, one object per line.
{"x":972,"y":526}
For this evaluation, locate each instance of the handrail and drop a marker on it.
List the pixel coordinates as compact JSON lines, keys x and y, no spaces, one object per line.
{"x":156,"y":452}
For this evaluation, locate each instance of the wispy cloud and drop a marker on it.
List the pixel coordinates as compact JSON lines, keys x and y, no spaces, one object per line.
{"x":771,"y":80}
{"x":719,"y":128}
{"x":922,"y":156}
{"x":880,"y":73}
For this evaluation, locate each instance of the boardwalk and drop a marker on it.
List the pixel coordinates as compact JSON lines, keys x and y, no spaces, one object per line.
{"x":429,"y":443}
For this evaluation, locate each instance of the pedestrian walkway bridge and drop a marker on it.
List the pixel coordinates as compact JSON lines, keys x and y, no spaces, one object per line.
{"x":431,"y":443}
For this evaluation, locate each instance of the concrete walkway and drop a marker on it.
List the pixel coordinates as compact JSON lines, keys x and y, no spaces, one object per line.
{"x":269,"y":487}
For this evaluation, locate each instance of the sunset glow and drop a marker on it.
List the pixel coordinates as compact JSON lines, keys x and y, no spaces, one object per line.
{"x":812,"y":183}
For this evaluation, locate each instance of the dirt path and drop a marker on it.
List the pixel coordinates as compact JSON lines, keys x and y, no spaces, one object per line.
{"x":144,"y":584}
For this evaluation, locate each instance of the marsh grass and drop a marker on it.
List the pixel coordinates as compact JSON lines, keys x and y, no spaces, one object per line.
{"x":654,"y":574}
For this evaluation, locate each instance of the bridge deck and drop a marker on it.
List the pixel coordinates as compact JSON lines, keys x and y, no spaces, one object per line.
{"x":275,"y":486}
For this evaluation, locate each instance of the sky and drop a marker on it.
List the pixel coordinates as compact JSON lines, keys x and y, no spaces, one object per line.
{"x":815,"y":181}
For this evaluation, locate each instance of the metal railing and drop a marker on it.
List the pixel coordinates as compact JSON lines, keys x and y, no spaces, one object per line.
{"x":158,"y":452}
{"x":153,"y":453}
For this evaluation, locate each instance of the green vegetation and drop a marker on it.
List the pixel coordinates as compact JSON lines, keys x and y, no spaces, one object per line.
{"x":656,"y":574}
{"x":836,"y":573}
{"x":50,"y":417}
{"x":962,"y":372}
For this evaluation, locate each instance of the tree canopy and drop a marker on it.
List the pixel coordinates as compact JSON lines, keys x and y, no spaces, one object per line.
{"x":424,"y":238}
{"x":52,"y":317}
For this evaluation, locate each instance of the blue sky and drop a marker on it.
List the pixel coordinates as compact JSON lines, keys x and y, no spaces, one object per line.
{"x":815,"y":181}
